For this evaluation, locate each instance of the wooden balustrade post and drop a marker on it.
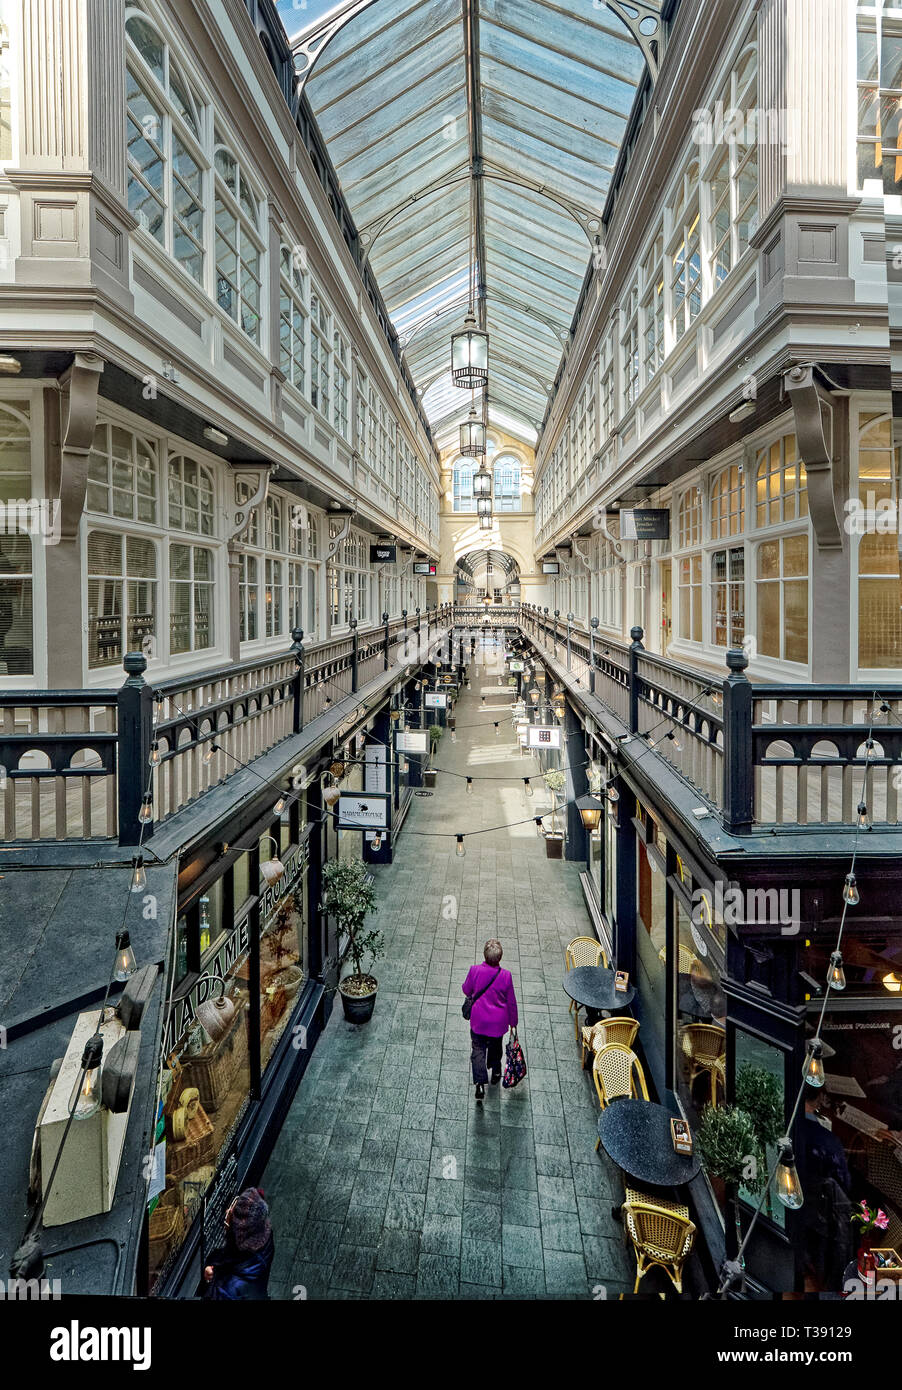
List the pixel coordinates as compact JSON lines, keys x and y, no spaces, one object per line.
{"x":738,"y":750}
{"x":134,"y":725}
{"x":635,"y":648}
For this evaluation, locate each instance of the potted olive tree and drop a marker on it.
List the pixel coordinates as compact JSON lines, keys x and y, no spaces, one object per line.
{"x":349,"y":895}
{"x":555,"y":781}
{"x":733,"y":1155}
{"x":435,"y":738}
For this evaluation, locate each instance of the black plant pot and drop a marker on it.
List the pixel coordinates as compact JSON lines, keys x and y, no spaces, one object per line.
{"x":429,"y":778}
{"x":554,"y":846}
{"x":358,"y":1008}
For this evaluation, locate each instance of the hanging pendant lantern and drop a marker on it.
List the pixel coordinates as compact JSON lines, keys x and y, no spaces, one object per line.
{"x":486,"y":522}
{"x":472,"y":436}
{"x":470,"y":356}
{"x":484,"y":506}
{"x":482,"y":480}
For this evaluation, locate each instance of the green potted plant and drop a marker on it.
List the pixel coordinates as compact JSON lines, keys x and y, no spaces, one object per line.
{"x":349,"y":895}
{"x":435,"y":738}
{"x":732,"y":1153}
{"x":555,"y":781}
{"x":760,"y":1094}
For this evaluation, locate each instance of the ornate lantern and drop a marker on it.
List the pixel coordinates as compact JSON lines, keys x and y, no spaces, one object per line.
{"x":470,"y":356}
{"x":472,"y":436}
{"x":484,"y":506}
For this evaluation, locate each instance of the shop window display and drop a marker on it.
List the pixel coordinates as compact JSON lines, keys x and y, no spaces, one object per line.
{"x":651,"y":947}
{"x":283,"y":945}
{"x":699,"y":964}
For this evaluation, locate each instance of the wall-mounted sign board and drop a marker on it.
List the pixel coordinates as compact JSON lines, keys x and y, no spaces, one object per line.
{"x":544,"y":736}
{"x":366,"y":812}
{"x":550,"y":567}
{"x":424,"y":567}
{"x":645,"y":524}
{"x":435,"y":699}
{"x":412,"y":741}
{"x":383,"y":554}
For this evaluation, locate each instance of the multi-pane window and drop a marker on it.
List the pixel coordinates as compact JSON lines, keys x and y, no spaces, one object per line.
{"x":610,"y":579}
{"x":122,"y":475}
{"x":689,"y":522}
{"x":272,"y":529}
{"x":320,"y":355}
{"x":293,"y":321}
{"x":690,"y":587}
{"x":507,"y":484}
{"x":341,"y":382}
{"x":653,"y":309}
{"x":164,"y":136}
{"x":781,"y":486}
{"x":781,"y":592}
{"x":462,"y":486}
{"x":629,"y":347}
{"x":728,"y":597}
{"x":16,"y":580}
{"x":732,"y":170}
{"x":891,"y":104}
{"x":728,"y":503}
{"x":122,"y":596}
{"x":248,"y":598}
{"x":272,"y":597}
{"x":879,"y":616}
{"x":191,"y":587}
{"x":606,"y":388}
{"x":239,"y":253}
{"x":685,"y":255}
{"x":190,"y":496}
{"x":582,"y":428}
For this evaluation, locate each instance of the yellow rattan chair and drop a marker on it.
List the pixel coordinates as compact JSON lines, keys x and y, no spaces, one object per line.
{"x":618,"y":1074}
{"x":583,"y":950}
{"x":661,"y":1233}
{"x":612,"y":1030}
{"x":705,"y":1046}
{"x":686,"y":959}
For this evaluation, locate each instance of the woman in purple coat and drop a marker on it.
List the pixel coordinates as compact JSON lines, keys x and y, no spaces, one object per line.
{"x":494,"y":1011}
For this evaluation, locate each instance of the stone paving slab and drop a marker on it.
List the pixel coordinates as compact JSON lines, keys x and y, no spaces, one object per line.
{"x":388,"y":1180}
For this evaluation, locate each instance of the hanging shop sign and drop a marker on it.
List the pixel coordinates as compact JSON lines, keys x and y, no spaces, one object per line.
{"x":366,"y":812}
{"x":383,"y":554}
{"x":375,"y":770}
{"x":515,"y":667}
{"x":543,"y":736}
{"x":646,"y":524}
{"x":435,"y":699}
{"x":425,"y":567}
{"x":550,"y":567}
{"x":412,"y":741}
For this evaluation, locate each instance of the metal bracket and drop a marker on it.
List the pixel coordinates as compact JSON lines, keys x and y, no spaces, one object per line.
{"x":335,"y":541}
{"x":615,"y":542}
{"x":643,"y":19}
{"x":581,"y":554}
{"x":812,"y":410}
{"x":309,"y":47}
{"x":243,"y":512}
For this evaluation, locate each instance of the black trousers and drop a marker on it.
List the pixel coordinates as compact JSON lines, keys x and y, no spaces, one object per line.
{"x":482,"y":1050}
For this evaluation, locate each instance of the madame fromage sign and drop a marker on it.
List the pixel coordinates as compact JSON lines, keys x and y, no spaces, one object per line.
{"x":367,"y":812}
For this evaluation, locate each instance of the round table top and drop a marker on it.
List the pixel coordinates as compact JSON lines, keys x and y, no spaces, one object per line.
{"x":636,"y":1135}
{"x":700,"y":998}
{"x":593,"y":986}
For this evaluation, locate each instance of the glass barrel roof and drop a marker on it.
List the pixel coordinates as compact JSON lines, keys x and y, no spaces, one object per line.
{"x":554,"y":91}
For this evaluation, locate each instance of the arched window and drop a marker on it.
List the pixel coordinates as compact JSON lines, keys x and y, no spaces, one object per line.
{"x":507,"y":484}
{"x":728,"y":503}
{"x":122,"y":475}
{"x":781,"y":484}
{"x":690,"y":518}
{"x":190,"y":496}
{"x":239,"y":246}
{"x":463,"y":500}
{"x":166,"y":163}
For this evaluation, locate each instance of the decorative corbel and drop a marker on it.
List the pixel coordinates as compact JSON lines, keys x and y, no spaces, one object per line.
{"x":80,"y":387}
{"x":812,"y":409}
{"x":242,"y":513}
{"x":581,"y":554}
{"x":614,"y":540}
{"x":335,"y":541}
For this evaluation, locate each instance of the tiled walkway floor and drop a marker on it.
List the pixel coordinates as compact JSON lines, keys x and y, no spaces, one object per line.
{"x":388,"y":1179}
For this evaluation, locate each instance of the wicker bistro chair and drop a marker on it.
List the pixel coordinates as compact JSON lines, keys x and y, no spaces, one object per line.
{"x":618,"y":1074}
{"x":705,"y":1045}
{"x":661,"y":1233}
{"x":583,"y":950}
{"x":612,"y":1030}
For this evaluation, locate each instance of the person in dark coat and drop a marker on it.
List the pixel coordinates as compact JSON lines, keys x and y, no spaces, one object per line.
{"x":826,"y":1217}
{"x":239,"y":1268}
{"x":494,"y":1011}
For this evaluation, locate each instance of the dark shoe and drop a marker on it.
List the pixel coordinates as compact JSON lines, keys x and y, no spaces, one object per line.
{"x":480,"y":1092}
{"x":496,"y":1077}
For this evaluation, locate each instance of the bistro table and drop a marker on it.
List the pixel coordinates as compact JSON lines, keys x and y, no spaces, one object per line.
{"x":636,"y":1135}
{"x":700,"y":998}
{"x":592,"y":986}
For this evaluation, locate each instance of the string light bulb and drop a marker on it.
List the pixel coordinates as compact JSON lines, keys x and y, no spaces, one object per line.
{"x":139,"y":875}
{"x":125,"y":964}
{"x":497,"y":730}
{"x":469,"y":786}
{"x":850,"y":893}
{"x":279,"y":806}
{"x":154,"y":754}
{"x":814,"y":1066}
{"x":209,"y":752}
{"x":85,"y":1098}
{"x":613,"y":795}
{"x":145,"y":815}
{"x":538,"y":820}
{"x":786,"y":1180}
{"x":836,"y":975}
{"x":461,"y":847}
{"x":527,"y":786}
{"x":863,"y":821}
{"x":672,"y":735}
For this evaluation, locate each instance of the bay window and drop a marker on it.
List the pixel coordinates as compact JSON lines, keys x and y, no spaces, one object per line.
{"x":653,"y":309}
{"x":320,"y":355}
{"x":689,"y":567}
{"x":122,"y":475}
{"x":122,"y":596}
{"x":247,"y":598}
{"x":879,"y":615}
{"x":190,"y":496}
{"x":782,"y":598}
{"x":191,"y":587}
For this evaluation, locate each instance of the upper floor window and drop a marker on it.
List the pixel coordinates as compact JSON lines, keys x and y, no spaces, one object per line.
{"x":781,"y":486}
{"x":164,"y":135}
{"x":463,"y":499}
{"x":732,"y":170}
{"x":507,"y":484}
{"x":272,"y":539}
{"x":122,"y":475}
{"x":16,"y":579}
{"x":191,"y":496}
{"x":341,"y":379}
{"x":653,"y":309}
{"x":728,"y":503}
{"x":239,"y":253}
{"x":629,"y":345}
{"x":293,"y":320}
{"x":685,"y":255}
{"x":320,"y":354}
{"x":689,"y":523}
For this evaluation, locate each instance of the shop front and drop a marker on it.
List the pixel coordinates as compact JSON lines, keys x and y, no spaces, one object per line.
{"x":243,"y":1015}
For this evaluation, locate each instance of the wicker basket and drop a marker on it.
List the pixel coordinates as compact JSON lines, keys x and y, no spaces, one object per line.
{"x":213,"y":1071}
{"x":166,"y":1224}
{"x":195,"y":1150}
{"x":272,"y":1007}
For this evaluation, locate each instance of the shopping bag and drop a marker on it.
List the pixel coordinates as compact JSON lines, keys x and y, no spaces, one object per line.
{"x":515,"y":1062}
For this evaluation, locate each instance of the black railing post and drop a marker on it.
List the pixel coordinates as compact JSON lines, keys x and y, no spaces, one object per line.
{"x":569,"y":627}
{"x":385,"y":620}
{"x":635,"y":648}
{"x":593,"y":624}
{"x":355,"y":655}
{"x":738,"y":750}
{"x":557,"y":614}
{"x":134,"y":724}
{"x":297,"y":680}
